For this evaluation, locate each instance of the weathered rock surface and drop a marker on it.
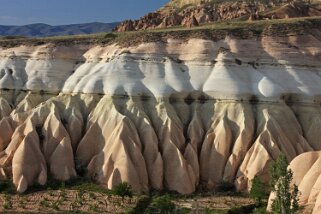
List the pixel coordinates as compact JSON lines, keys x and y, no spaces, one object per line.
{"x":189,"y":12}
{"x":172,"y":115}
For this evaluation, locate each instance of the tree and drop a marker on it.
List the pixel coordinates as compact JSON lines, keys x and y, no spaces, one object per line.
{"x":286,"y":198}
{"x":257,"y":191}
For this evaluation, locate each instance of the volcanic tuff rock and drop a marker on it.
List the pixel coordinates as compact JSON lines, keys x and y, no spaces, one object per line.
{"x":185,"y":13}
{"x":171,"y":115}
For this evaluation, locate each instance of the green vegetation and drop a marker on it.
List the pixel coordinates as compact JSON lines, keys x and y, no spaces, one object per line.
{"x":141,"y":205}
{"x":22,"y":203}
{"x":63,"y":197}
{"x":63,"y":194}
{"x":88,"y":194}
{"x":7,"y":202}
{"x":44,"y":202}
{"x":50,"y":192}
{"x":55,"y":205}
{"x":81,"y":192}
{"x":257,"y":192}
{"x":161,"y":204}
{"x":286,"y":197}
{"x":7,"y":187}
{"x":123,"y":190}
{"x":286,"y":200}
{"x":207,"y":211}
{"x":12,"y":37}
{"x":211,"y":31}
{"x":259,"y":195}
{"x":259,"y":210}
{"x":78,"y":183}
{"x":242,"y":210}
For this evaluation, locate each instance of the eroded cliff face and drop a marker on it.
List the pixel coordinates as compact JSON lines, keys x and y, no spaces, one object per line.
{"x":175,"y":115}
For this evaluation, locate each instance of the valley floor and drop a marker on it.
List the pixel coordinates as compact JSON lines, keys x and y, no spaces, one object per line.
{"x":86,"y":197}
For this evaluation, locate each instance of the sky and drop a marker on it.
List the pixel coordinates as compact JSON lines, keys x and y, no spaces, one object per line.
{"x":60,"y":12}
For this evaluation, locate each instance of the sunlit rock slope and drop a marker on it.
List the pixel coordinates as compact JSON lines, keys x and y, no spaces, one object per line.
{"x":175,"y":115}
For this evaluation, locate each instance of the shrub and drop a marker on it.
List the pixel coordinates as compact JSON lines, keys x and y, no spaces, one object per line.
{"x":7,"y":187}
{"x":162,"y":204}
{"x":141,"y":205}
{"x":110,"y":36}
{"x":123,"y":189}
{"x":242,"y":210}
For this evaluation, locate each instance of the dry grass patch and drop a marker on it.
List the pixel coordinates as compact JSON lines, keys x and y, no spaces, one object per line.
{"x":62,"y":201}
{"x":217,"y":202}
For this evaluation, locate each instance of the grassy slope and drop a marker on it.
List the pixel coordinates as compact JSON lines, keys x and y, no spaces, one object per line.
{"x":213,"y":31}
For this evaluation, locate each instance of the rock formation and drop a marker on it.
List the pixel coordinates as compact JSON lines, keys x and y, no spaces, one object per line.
{"x":187,"y":13}
{"x":171,"y":115}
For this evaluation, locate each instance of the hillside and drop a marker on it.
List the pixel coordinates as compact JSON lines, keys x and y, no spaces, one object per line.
{"x":211,"y":31}
{"x":44,"y":30}
{"x":182,"y":3}
{"x":190,"y":13}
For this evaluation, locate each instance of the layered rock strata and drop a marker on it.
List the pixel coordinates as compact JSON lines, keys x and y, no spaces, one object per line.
{"x":176,"y":115}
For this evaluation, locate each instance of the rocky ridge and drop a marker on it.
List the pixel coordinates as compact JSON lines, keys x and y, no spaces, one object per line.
{"x":186,"y":13}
